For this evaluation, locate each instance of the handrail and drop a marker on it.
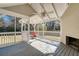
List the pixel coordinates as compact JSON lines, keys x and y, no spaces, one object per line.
{"x":9,"y":32}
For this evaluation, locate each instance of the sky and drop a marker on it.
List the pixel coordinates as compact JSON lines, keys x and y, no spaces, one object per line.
{"x":7,"y":20}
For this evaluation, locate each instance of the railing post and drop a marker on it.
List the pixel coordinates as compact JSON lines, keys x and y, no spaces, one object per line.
{"x":0,"y":39}
{"x":4,"y":38}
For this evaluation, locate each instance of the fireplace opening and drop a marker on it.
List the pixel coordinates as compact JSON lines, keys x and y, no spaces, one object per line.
{"x":73,"y":42}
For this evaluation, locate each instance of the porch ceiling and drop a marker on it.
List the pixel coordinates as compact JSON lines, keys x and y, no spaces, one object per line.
{"x":24,"y":9}
{"x":39,"y":11}
{"x":9,"y":4}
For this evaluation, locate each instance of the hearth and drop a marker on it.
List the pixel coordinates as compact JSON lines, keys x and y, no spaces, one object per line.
{"x":73,"y":42}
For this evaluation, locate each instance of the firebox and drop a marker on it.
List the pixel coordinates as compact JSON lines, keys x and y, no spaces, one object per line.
{"x":73,"y":42}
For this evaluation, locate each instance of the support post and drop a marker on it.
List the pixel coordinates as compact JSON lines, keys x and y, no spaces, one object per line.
{"x":22,"y":30}
{"x":15,"y":30}
{"x":38,"y":29}
{"x":28,"y":29}
{"x":43,"y":30}
{"x":34,"y":27}
{"x":24,"y":27}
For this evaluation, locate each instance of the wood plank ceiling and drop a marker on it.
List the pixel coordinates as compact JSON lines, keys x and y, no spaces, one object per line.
{"x":39,"y":11}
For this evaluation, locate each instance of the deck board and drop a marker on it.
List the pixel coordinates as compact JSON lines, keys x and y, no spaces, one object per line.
{"x":75,"y":53}
{"x":64,"y":52}
{"x":59,"y":48}
{"x":67,"y":51}
{"x":58,"y":54}
{"x":78,"y":53}
{"x":71,"y":52}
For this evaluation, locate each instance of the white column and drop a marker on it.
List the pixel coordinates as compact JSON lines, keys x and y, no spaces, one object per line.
{"x":15,"y":30}
{"x":22,"y":30}
{"x":25,"y":27}
{"x":54,"y":26}
{"x":28,"y":29}
{"x":43,"y":30}
{"x":21,"y":27}
{"x":34,"y":27}
{"x":38,"y":30}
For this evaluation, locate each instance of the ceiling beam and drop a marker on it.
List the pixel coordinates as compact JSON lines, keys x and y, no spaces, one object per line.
{"x":60,"y":11}
{"x":41,"y":13}
{"x":55,"y":10}
{"x":36,"y":13}
{"x":45,"y":10}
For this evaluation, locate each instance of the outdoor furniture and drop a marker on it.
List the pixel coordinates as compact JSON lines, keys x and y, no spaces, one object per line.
{"x":33,"y":35}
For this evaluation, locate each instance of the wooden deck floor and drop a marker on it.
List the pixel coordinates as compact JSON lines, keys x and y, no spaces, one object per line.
{"x":64,"y":50}
{"x":24,"y":49}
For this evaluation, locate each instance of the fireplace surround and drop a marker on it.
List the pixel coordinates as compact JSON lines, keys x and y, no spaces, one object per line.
{"x":73,"y":42}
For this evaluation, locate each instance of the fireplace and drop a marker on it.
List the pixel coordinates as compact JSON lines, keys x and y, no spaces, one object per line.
{"x":73,"y":42}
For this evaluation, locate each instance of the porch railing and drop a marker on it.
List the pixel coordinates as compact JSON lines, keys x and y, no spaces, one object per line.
{"x":10,"y":38}
{"x":14,"y":37}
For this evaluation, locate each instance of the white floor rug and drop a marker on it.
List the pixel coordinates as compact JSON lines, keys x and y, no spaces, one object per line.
{"x":43,"y":47}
